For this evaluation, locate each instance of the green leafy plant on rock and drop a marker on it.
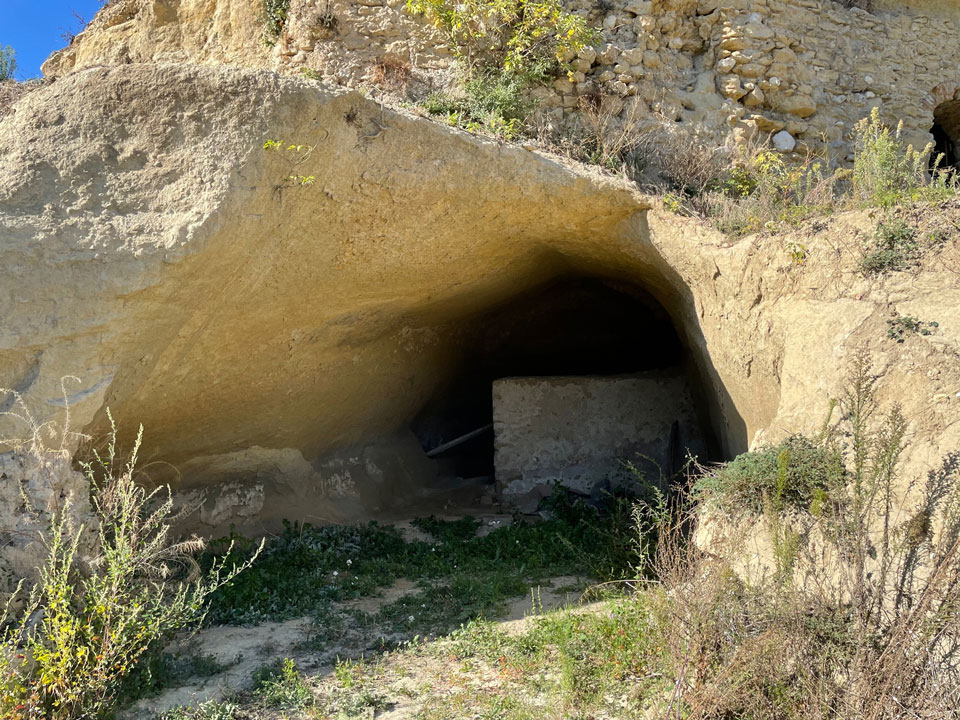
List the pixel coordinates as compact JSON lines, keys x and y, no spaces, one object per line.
{"x":493,"y":101}
{"x":900,"y":327}
{"x":895,"y":248}
{"x":789,"y":475}
{"x":275,"y":14}
{"x":297,"y":154}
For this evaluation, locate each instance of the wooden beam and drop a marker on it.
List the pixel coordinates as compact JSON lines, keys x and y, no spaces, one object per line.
{"x":458,"y":441}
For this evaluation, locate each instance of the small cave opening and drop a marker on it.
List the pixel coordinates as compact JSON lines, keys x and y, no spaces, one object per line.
{"x":946,"y":137}
{"x":562,"y":383}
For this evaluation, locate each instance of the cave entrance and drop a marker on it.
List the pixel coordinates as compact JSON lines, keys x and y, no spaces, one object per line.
{"x":946,"y":135}
{"x":562,"y":383}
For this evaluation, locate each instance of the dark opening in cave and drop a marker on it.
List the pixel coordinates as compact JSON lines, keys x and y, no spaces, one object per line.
{"x":946,"y":136}
{"x":572,"y":327}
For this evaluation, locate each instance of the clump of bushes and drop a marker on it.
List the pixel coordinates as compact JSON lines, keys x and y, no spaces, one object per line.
{"x":761,"y":191}
{"x":282,"y":686}
{"x":754,"y":190}
{"x":491,"y":101}
{"x":512,"y":35}
{"x":861,"y":621}
{"x":8,"y":63}
{"x":887,"y":172}
{"x":764,"y":192}
{"x":794,"y":473}
{"x":86,"y":623}
{"x":504,"y":48}
{"x":275,"y":14}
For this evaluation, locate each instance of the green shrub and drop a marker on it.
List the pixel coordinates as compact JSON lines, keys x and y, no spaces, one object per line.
{"x":284,"y":687}
{"x":792,"y":474}
{"x":86,"y":625}
{"x":8,"y":63}
{"x":503,"y":94}
{"x":505,"y":48}
{"x":762,"y":191}
{"x":895,"y":248}
{"x":275,"y":19}
{"x":493,"y":100}
{"x":862,"y":619}
{"x":765,"y":193}
{"x":512,"y":35}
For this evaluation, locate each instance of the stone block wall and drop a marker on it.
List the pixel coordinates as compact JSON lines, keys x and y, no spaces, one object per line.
{"x":740,"y":70}
{"x":731,"y":71}
{"x":578,"y":431}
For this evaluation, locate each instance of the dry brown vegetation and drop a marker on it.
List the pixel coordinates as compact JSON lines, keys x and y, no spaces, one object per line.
{"x":390,"y":74}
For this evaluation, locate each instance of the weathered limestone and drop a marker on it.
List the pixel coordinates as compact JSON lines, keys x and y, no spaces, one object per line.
{"x":578,"y":431}
{"x":246,"y":319}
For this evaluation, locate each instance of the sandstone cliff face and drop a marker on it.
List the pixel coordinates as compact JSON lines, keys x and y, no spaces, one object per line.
{"x":249,"y":321}
{"x":276,"y":318}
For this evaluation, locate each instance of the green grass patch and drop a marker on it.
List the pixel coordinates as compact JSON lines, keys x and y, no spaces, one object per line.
{"x":492,"y":100}
{"x":283,"y":686}
{"x":597,"y":663}
{"x":305,"y":570}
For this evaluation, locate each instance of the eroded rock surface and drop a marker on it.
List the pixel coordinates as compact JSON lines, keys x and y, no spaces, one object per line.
{"x":731,"y":72}
{"x":204,"y":286}
{"x":277,"y":317}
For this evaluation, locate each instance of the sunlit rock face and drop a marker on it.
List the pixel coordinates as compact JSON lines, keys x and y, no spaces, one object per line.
{"x":283,"y":282}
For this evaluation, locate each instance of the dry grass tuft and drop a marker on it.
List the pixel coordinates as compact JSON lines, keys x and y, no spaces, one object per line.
{"x":390,"y":74}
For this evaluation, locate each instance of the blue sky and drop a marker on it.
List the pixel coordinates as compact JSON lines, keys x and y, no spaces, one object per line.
{"x":33,"y":28}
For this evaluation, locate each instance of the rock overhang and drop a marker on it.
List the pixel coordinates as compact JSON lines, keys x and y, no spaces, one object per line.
{"x":229,"y":295}
{"x":265,"y":328}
